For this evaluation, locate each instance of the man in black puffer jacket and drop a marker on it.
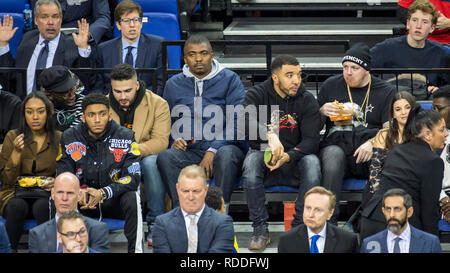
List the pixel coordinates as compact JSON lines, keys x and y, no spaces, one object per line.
{"x":105,"y":157}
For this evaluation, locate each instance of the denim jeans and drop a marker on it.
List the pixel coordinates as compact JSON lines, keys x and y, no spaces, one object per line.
{"x":226,"y":167}
{"x":155,"y":190}
{"x":333,"y":171}
{"x":255,"y":173}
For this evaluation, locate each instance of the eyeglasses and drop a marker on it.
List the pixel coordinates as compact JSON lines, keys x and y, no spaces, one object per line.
{"x":67,"y":94}
{"x":128,"y":20}
{"x":72,"y":234}
{"x":440,"y":108}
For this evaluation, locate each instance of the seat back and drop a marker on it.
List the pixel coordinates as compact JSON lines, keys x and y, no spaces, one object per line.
{"x":18,"y":22}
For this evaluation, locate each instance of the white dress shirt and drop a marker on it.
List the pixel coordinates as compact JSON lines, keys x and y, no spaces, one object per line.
{"x":403,"y":243}
{"x":187,"y":221}
{"x":52,"y":46}
{"x":321,"y":241}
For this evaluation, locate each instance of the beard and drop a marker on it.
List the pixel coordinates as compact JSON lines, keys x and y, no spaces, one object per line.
{"x":397,"y":225}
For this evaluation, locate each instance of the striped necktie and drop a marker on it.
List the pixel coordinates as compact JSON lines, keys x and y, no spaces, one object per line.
{"x":192,"y":235}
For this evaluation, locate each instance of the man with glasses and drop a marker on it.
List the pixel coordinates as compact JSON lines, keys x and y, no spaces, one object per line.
{"x":72,"y":234}
{"x":45,"y":47}
{"x":133,"y":47}
{"x":62,"y":87}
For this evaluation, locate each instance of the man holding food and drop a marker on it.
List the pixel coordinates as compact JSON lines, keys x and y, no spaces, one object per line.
{"x":346,"y":147}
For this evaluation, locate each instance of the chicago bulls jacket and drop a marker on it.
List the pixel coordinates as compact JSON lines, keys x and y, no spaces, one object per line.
{"x":111,"y":162}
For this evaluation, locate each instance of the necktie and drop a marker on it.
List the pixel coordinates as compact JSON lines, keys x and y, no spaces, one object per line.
{"x":42,"y":57}
{"x":129,"y":56}
{"x":41,"y":61}
{"x":314,"y":248}
{"x":397,"y":245}
{"x":192,"y":236}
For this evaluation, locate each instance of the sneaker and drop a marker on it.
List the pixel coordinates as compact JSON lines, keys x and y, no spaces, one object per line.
{"x":260,"y":238}
{"x":149,"y":235}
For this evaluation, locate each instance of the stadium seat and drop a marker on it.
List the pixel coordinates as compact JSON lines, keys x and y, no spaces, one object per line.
{"x":113,"y":224}
{"x":18,"y":22}
{"x":16,"y":6}
{"x":426,"y":104}
{"x":169,"y":6}
{"x":29,"y":224}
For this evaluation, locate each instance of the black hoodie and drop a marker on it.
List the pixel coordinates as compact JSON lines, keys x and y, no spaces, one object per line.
{"x":299,"y":119}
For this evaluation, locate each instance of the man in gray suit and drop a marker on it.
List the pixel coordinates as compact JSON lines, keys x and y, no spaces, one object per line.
{"x":400,"y":236}
{"x":66,"y":193}
{"x":193,"y":227}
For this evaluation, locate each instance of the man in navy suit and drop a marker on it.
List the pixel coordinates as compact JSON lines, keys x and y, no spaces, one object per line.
{"x":45,"y":47}
{"x":65,"y":194}
{"x":400,"y":236}
{"x":133,"y":47}
{"x":193,"y":227}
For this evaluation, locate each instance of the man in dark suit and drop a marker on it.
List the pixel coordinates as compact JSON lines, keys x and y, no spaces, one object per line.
{"x":96,"y":12}
{"x":45,"y":47}
{"x":316,"y":235}
{"x":133,"y":47}
{"x":66,"y":193}
{"x":193,"y":227}
{"x":400,"y":236}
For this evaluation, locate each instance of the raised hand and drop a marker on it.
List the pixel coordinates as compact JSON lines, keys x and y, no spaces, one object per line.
{"x":6,"y":30}
{"x":81,"y":39}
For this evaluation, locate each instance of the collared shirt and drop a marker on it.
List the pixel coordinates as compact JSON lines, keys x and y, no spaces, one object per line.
{"x":321,"y":241}
{"x":125,"y":46}
{"x":404,"y":242}
{"x":187,"y":221}
{"x":52,"y":46}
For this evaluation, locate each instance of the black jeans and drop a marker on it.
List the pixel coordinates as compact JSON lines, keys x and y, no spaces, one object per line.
{"x":255,"y":174}
{"x":126,"y":206}
{"x":17,"y":210}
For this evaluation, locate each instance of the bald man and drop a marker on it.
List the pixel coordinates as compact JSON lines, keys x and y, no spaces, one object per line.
{"x":66,"y":193}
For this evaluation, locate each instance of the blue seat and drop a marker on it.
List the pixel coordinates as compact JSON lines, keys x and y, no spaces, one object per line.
{"x":16,"y":6}
{"x":444,"y":225}
{"x":29,"y":224}
{"x":113,"y":224}
{"x":426,"y":104}
{"x":348,"y":184}
{"x":18,"y":22}
{"x":169,"y":6}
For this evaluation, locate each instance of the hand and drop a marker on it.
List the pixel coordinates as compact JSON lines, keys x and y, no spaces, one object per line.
{"x":275,"y":146}
{"x":445,"y":208}
{"x":329,"y":109}
{"x":6,"y":30}
{"x":81,"y":39}
{"x":181,"y":144}
{"x":82,"y":199}
{"x":19,"y":144}
{"x":48,"y":185}
{"x":442,"y":21}
{"x":364,"y":152}
{"x":95,"y":196}
{"x":432,"y":89}
{"x":283,"y":159}
{"x":207,"y":163}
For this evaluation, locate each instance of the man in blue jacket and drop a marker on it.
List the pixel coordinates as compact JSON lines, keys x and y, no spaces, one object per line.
{"x":203,"y":127}
{"x":400,"y":236}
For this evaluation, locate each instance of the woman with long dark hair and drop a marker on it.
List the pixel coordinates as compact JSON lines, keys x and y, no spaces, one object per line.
{"x":387,"y":138}
{"x":28,"y":152}
{"x":414,"y":167}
